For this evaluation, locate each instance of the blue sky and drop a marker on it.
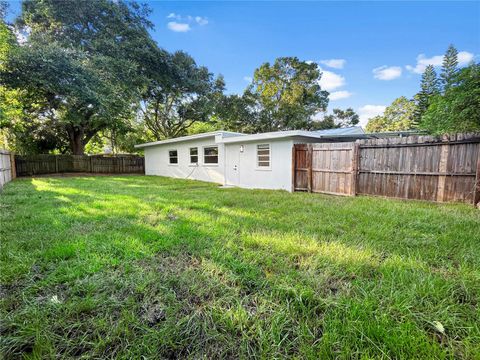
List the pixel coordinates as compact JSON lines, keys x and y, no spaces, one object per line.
{"x":382,"y":47}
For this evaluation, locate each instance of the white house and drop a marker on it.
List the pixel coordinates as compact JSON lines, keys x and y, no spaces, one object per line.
{"x":260,"y":161}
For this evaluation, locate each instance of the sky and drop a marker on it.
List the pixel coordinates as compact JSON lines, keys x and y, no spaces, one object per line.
{"x":370,"y":52}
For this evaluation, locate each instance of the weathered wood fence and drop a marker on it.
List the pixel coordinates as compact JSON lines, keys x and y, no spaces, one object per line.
{"x":27,"y":165}
{"x":7,"y":167}
{"x":414,"y":167}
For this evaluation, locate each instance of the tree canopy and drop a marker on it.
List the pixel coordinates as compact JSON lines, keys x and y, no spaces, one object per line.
{"x":458,"y":109}
{"x":399,"y":116}
{"x":286,"y":94}
{"x":447,"y":104}
{"x":180,"y":96}
{"x":81,"y":78}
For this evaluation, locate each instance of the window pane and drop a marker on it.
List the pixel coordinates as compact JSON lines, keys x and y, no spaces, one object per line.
{"x":194,"y":159}
{"x":263,"y":155}
{"x":210,"y":155}
{"x":173,"y":156}
{"x":211,"y":150}
{"x":211,"y":159}
{"x":194,"y":151}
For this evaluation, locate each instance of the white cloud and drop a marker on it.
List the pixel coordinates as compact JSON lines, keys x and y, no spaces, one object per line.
{"x":248,"y":79}
{"x":201,"y":20}
{"x":337,"y":95}
{"x":184,"y":23}
{"x":331,"y":81}
{"x":178,"y":27}
{"x":387,"y":72}
{"x":368,"y":111}
{"x":464,"y":57}
{"x":423,"y":62}
{"x":334,"y":63}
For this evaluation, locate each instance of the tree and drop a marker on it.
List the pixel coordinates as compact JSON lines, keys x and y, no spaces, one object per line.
{"x":399,"y":116}
{"x":286,"y":94}
{"x":428,"y":88}
{"x":458,"y":110}
{"x":338,"y":119}
{"x":181,"y":95}
{"x":449,"y":67}
{"x":83,"y":64}
{"x":236,"y":113}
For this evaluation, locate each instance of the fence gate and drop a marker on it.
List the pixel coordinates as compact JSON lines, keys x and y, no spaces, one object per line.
{"x":326,"y":168}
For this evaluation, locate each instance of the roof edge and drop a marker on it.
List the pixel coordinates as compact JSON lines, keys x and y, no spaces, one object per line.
{"x":190,"y":137}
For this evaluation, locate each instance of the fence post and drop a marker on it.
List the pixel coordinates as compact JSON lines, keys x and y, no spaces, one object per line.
{"x":56,"y":164}
{"x":123,"y":164}
{"x":442,"y":168}
{"x":355,"y":167}
{"x":476,"y":191}
{"x":309,"y":167}
{"x":90,"y":164}
{"x":13,"y":167}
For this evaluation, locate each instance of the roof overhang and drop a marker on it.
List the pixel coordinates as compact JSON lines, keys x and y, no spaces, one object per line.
{"x":218,"y":135}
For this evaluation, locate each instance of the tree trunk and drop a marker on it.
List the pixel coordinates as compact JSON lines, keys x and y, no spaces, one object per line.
{"x":77,"y":144}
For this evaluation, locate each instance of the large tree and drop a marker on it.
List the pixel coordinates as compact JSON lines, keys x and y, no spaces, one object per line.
{"x":237,"y":113}
{"x":286,"y":94}
{"x":458,"y":109}
{"x":337,"y":119}
{"x":429,"y":87}
{"x":179,"y":95}
{"x":449,"y":67}
{"x":399,"y":116}
{"x":83,"y":64}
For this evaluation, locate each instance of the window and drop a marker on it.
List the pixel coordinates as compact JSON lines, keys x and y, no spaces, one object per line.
{"x":194,"y":155}
{"x":263,"y":155}
{"x":210,"y":155}
{"x":173,"y":157}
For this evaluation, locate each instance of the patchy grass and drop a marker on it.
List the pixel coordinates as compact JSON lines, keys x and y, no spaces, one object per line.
{"x":124,"y":267}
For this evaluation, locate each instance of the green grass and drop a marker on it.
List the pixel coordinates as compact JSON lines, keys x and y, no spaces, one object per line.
{"x":124,"y":267}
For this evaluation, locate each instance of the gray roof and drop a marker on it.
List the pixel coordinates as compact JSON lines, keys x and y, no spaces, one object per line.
{"x":354,"y":130}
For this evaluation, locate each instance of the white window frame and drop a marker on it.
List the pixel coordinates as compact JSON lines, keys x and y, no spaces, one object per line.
{"x":257,"y":161}
{"x":203,"y":155}
{"x":190,"y":156}
{"x":170,"y":158}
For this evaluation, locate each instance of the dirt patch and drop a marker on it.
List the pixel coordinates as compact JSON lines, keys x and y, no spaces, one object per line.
{"x":153,"y":314}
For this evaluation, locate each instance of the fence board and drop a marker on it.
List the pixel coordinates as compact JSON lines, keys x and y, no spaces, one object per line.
{"x":414,"y":167}
{"x":50,"y":164}
{"x":6,"y":168}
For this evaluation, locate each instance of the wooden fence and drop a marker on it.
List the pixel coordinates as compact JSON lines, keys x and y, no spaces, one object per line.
{"x":414,"y":167}
{"x":7,"y":167}
{"x":49,"y":164}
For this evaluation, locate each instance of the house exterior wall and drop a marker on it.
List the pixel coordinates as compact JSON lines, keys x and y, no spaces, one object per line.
{"x":157,"y":161}
{"x":278,"y":176}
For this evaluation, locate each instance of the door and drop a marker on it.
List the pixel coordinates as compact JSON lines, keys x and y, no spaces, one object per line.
{"x":232,"y":164}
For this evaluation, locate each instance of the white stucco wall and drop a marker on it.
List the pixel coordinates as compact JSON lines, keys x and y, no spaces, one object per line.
{"x":157,"y":161}
{"x":278,"y":176}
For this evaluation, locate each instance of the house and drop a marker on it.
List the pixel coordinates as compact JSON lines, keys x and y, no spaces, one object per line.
{"x":260,"y":161}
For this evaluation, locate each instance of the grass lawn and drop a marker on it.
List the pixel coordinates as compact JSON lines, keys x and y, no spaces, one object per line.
{"x":131,"y":266}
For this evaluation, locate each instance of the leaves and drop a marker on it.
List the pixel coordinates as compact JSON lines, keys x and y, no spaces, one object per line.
{"x":286,"y":94}
{"x":400,"y":115}
{"x":83,"y":64}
